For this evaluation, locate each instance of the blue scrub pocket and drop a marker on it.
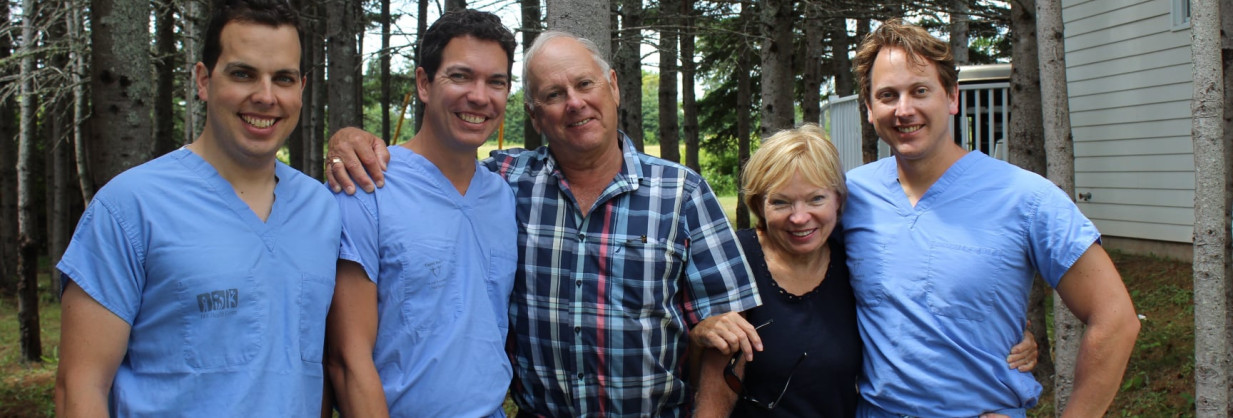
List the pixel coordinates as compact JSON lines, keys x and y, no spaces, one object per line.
{"x":962,"y":280}
{"x":316,"y":293}
{"x":431,"y":298}
{"x":224,"y":319}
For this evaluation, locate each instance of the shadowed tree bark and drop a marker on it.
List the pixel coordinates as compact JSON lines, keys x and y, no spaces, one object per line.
{"x":1211,"y":211}
{"x":585,"y":18}
{"x":164,"y":73}
{"x":1026,"y":144}
{"x":628,"y":65}
{"x":386,"y":95}
{"x":8,"y":174}
{"x":121,"y":87}
{"x":689,"y":105}
{"x":27,"y":229}
{"x":342,"y":28}
{"x":669,"y":124}
{"x":777,"y":111}
{"x":532,"y":25}
{"x":744,"y":103}
{"x":1059,"y":152}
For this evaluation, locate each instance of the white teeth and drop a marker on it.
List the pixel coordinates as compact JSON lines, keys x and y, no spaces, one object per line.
{"x":910,"y":129}
{"x":258,"y":122}
{"x":579,"y":123}
{"x":801,"y":233}
{"x":471,"y":118}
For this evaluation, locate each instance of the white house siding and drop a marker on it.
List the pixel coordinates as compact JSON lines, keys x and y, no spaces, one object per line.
{"x":1129,"y":81}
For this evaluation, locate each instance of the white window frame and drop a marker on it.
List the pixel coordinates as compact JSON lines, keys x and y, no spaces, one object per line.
{"x":1180,"y":13}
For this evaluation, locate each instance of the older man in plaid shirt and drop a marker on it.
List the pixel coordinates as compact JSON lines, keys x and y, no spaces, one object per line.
{"x":621,"y":253}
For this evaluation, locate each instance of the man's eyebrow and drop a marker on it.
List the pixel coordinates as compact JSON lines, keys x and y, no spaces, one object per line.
{"x":467,"y":69}
{"x":239,"y":66}
{"x":245,"y":67}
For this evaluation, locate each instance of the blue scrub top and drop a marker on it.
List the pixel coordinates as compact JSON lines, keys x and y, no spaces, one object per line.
{"x":227,"y":312}
{"x":444,"y":268}
{"x":941,"y":287}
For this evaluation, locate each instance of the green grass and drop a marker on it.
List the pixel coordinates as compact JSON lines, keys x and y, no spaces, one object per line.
{"x":26,"y":389}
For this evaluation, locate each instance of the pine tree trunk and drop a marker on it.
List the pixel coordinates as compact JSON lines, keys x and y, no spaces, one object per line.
{"x":532,"y":25}
{"x":58,"y":127}
{"x":959,"y":30}
{"x":8,"y":177}
{"x":1059,"y":152}
{"x":1226,"y":49}
{"x":314,"y":133}
{"x":343,"y":61}
{"x":689,"y":104}
{"x":421,"y":19}
{"x":812,"y":77}
{"x":386,"y":78}
{"x":196,"y":12}
{"x":121,"y":87}
{"x":777,"y":110}
{"x":1026,"y":145}
{"x":585,"y":18}
{"x":869,"y":137}
{"x":841,"y":44}
{"x":1211,"y":211}
{"x":164,"y":73}
{"x":744,"y":106}
{"x":78,"y":66}
{"x":628,"y":65}
{"x":669,"y":124}
{"x":27,"y":229}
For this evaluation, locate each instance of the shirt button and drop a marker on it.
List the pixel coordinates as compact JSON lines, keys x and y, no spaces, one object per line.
{"x":582,"y":236}
{"x":578,"y":282}
{"x":579,"y":375}
{"x":577,"y":329}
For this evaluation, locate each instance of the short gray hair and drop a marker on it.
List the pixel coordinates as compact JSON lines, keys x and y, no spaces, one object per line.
{"x":543,"y":38}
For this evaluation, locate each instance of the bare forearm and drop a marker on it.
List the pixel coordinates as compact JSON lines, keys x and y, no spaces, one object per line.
{"x":1103,"y":354}
{"x":78,"y":400}
{"x":713,"y":399}
{"x":358,"y":391}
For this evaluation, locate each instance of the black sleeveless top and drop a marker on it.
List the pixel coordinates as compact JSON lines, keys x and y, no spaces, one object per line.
{"x":821,"y":323}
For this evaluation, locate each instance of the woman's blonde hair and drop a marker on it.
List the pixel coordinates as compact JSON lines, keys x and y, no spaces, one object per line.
{"x":805,"y":150}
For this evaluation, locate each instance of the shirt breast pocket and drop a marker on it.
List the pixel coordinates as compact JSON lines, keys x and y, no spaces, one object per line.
{"x":431,"y":299}
{"x":866,"y":279}
{"x":223,"y":319}
{"x":962,"y":280}
{"x":316,"y":293}
{"x":647,"y":274}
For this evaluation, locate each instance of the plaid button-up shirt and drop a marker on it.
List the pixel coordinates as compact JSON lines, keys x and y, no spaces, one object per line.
{"x":603,"y":301}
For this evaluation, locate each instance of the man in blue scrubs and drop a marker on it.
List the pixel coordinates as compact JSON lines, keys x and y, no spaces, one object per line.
{"x":197,"y":283}
{"x":943,"y":245}
{"x":419,"y":319}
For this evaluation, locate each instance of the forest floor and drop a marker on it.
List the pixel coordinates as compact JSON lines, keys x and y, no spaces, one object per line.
{"x":1159,"y":381}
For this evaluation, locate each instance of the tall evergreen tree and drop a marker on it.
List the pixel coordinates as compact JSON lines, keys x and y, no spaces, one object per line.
{"x":1211,"y":211}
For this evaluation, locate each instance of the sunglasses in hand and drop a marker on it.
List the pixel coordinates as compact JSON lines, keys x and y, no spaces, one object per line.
{"x":737,"y":383}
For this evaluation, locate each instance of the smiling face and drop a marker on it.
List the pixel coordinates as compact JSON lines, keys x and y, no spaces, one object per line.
{"x":800,"y":216}
{"x":575,"y":102}
{"x":464,"y":102}
{"x":253,"y":93}
{"x":909,"y":107}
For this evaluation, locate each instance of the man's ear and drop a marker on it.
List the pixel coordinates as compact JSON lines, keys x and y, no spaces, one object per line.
{"x":201,"y":76}
{"x":953,"y":97}
{"x":421,"y":84}
{"x":612,"y":84}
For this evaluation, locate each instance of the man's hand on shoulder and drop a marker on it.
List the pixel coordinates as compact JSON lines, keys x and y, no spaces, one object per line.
{"x":355,"y":157}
